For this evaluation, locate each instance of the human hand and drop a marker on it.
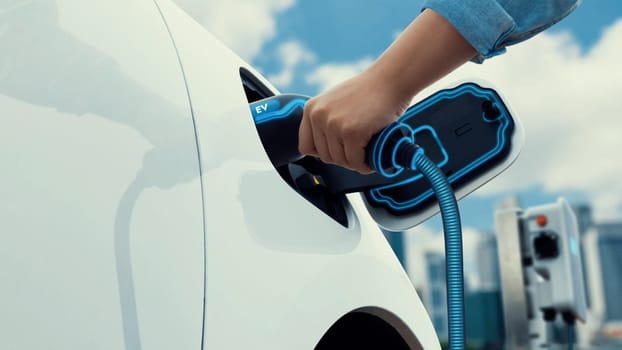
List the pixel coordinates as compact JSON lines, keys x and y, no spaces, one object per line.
{"x":338,"y":124}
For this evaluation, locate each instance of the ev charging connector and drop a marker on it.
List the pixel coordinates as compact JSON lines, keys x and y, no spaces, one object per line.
{"x":389,"y":152}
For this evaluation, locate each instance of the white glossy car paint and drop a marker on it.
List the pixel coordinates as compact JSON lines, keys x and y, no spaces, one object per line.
{"x":134,"y":186}
{"x":100,"y":191}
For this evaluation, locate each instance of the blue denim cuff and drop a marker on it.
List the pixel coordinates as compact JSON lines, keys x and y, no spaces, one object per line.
{"x":483,"y":23}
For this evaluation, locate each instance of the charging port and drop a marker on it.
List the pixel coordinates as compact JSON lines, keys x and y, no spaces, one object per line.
{"x":307,"y":184}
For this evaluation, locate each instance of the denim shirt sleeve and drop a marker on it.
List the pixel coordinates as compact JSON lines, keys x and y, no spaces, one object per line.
{"x":491,"y":25}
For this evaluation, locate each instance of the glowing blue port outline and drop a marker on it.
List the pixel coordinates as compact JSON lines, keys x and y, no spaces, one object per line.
{"x":475,"y":90}
{"x":382,"y":140}
{"x":410,"y":139}
{"x":423,"y":128}
{"x":279,"y":113}
{"x":379,"y":147}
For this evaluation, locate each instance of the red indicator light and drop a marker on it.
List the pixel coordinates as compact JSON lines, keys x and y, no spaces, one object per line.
{"x":541,"y":220}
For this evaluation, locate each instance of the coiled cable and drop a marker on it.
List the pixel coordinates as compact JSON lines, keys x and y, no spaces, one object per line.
{"x":453,"y":248}
{"x":410,"y":155}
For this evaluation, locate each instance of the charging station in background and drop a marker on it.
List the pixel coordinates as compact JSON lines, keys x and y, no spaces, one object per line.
{"x":468,"y":131}
{"x":541,"y":274}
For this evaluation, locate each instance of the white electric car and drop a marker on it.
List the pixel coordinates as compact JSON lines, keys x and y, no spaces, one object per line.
{"x":139,"y":210}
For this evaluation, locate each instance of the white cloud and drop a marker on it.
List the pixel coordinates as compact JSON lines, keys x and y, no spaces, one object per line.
{"x":291,"y":54}
{"x":243,"y":25}
{"x":330,"y":74}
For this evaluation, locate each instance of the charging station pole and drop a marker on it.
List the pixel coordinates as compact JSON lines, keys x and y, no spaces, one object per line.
{"x":512,"y":279}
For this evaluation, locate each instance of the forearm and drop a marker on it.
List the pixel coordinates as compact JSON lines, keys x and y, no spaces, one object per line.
{"x":429,"y":48}
{"x":338,"y":124}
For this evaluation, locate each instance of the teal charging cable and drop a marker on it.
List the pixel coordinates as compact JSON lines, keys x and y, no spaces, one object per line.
{"x":393,"y":150}
{"x":453,"y":248}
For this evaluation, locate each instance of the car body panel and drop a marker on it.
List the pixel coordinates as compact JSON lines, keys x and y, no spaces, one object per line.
{"x":101,"y":219}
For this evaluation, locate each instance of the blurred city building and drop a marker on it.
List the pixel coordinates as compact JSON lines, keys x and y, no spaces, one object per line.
{"x":601,"y":253}
{"x":602,"y":249}
{"x":435,"y":292}
{"x":484,"y":310}
{"x":487,"y":259}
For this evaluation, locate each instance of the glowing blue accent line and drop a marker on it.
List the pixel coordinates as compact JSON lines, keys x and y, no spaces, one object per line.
{"x":486,"y":120}
{"x":389,"y":200}
{"x":423,"y":128}
{"x":379,"y":197}
{"x":444,"y":95}
{"x":284,"y":112}
{"x":381,"y":141}
{"x":574,"y":248}
{"x":379,"y":148}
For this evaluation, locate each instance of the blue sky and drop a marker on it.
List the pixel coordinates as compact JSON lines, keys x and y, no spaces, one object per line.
{"x":564,"y":85}
{"x":347,"y":30}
